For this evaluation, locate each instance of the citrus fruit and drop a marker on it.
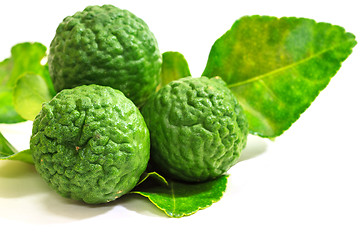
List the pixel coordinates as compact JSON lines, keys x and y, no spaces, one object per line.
{"x":108,"y":46}
{"x":197,"y":129}
{"x":90,"y":143}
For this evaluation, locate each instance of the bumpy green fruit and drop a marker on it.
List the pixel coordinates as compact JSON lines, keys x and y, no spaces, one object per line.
{"x":197,"y":129}
{"x":107,"y":46}
{"x":90,"y":143}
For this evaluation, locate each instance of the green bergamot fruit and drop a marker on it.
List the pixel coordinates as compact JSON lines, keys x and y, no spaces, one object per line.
{"x":197,"y":129}
{"x":107,"y":46}
{"x":90,"y":143}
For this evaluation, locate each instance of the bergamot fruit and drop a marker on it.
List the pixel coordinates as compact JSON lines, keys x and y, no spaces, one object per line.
{"x":197,"y":129}
{"x":108,"y":46}
{"x":90,"y":143}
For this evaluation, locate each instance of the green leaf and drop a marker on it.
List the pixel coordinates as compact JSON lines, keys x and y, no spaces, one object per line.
{"x":25,"y":58}
{"x":8,"y":152}
{"x":178,"y":199}
{"x":30,"y":92}
{"x":7,"y":110}
{"x":174,"y":67}
{"x":6,"y":148}
{"x":23,"y":156}
{"x":8,"y":113}
{"x":277,"y":67}
{"x":5,"y":70}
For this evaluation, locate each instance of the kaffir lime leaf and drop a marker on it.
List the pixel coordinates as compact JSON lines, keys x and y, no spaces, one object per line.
{"x":90,"y":143}
{"x":197,"y":129}
{"x":107,"y":46}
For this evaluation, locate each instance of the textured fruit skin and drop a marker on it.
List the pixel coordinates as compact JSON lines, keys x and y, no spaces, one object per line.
{"x":107,"y":46}
{"x":197,"y":129}
{"x":90,"y":143}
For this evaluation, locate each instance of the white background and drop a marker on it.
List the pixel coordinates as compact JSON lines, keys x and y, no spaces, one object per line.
{"x":304,"y":185}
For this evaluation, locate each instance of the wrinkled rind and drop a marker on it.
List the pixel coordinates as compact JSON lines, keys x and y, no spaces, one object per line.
{"x":90,"y":143}
{"x":197,"y":129}
{"x":107,"y":46}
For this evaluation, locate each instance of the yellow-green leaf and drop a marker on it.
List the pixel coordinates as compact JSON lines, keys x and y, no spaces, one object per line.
{"x":25,"y":58}
{"x":174,"y":67}
{"x":30,"y":92}
{"x":277,"y":67}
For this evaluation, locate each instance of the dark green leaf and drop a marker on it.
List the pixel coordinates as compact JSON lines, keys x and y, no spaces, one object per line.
{"x":181,"y":199}
{"x":174,"y":67}
{"x":277,"y":67}
{"x":30,"y":93}
{"x":154,"y":176}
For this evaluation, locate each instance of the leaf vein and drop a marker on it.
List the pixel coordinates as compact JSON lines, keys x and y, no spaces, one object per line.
{"x":173,"y":195}
{"x":271,"y":92}
{"x":289,"y":66}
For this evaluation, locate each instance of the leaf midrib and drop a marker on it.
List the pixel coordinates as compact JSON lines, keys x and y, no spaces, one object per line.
{"x":262,"y":76}
{"x":173,"y":196}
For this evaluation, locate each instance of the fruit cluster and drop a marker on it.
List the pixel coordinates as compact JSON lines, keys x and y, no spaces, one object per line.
{"x":92,"y":143}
